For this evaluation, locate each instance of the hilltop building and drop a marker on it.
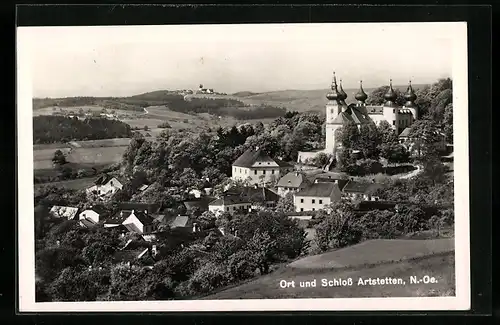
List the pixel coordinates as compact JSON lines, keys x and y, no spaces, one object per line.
{"x":339,"y":113}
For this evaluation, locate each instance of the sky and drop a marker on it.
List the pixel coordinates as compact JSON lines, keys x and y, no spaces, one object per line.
{"x":129,"y":60}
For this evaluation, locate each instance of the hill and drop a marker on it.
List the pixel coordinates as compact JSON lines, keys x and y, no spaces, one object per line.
{"x":371,"y":259}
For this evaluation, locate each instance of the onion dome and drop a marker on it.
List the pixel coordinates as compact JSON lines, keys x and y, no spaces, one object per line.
{"x":334,"y":93}
{"x":410,"y":95}
{"x":390,"y":96}
{"x":342,"y":93}
{"x":361,"y":95}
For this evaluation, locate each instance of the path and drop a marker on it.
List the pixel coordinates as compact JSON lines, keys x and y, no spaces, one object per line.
{"x":412,"y":173}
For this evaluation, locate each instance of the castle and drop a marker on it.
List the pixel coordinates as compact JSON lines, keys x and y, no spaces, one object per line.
{"x":338,"y":113}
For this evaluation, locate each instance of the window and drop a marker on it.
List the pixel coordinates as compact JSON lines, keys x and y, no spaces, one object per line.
{"x":332,"y":110}
{"x":393,"y":122}
{"x":255,"y":172}
{"x":301,"y":209}
{"x":313,"y":201}
{"x":263,"y":172}
{"x":227,"y":209}
{"x":272,"y":171}
{"x":234,"y":208}
{"x":313,"y":209}
{"x":393,"y":110}
{"x":246,"y":171}
{"x":301,"y":200}
{"x":320,"y":201}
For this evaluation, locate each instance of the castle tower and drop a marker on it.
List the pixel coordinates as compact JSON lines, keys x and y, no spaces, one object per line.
{"x":343,"y":96}
{"x":333,"y":109}
{"x":361,"y":96}
{"x":390,"y":108}
{"x":410,"y":97}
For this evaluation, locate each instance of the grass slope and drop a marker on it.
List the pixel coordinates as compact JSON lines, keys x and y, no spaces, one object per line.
{"x":440,"y":266}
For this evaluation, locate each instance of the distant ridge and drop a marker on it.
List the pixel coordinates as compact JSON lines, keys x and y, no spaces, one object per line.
{"x":244,"y":94}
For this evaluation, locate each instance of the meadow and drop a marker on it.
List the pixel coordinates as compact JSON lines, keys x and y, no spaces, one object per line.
{"x":418,"y":258}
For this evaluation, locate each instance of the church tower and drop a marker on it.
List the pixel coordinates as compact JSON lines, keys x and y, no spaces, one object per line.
{"x":410,"y":98}
{"x":390,"y":108}
{"x":333,"y":110}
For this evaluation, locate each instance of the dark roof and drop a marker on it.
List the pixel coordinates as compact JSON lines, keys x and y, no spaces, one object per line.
{"x":318,"y":190}
{"x":376,"y":110}
{"x":99,"y":209}
{"x":88,"y":223}
{"x":128,"y":255}
{"x":282,"y":163}
{"x":180,"y":221}
{"x":102,"y":179}
{"x":118,"y":218}
{"x":292,"y":179}
{"x":144,"y":218}
{"x":405,"y":133}
{"x":201,"y":203}
{"x":365,"y":188}
{"x":250,"y":156}
{"x":259,"y":194}
{"x":351,"y":114}
{"x":331,"y":175}
{"x":152,"y":208}
{"x":229,"y":199}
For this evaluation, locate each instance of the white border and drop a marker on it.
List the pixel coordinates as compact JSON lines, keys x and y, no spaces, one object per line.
{"x":462,"y":250}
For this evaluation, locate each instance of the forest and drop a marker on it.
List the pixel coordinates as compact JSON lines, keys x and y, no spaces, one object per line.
{"x":53,"y":129}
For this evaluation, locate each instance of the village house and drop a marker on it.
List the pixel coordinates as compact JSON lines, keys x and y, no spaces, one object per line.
{"x":64,"y":212}
{"x":361,"y":191}
{"x":259,"y":197}
{"x":105,"y":185}
{"x":229,"y":203}
{"x":292,"y":182}
{"x":317,"y":196}
{"x":139,"y":222}
{"x":256,"y":167}
{"x":341,"y":179}
{"x":93,"y":214}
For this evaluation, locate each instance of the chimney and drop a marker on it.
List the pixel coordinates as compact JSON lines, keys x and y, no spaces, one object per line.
{"x":195,"y":227}
{"x":153,"y":250}
{"x":146,"y":211}
{"x":255,"y":186}
{"x":316,"y":181}
{"x":132,"y":212}
{"x":121,"y":213}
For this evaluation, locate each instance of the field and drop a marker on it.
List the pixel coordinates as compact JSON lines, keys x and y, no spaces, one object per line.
{"x":87,"y":156}
{"x":436,"y":260}
{"x":74,"y":184}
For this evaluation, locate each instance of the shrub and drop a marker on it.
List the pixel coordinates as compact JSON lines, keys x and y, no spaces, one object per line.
{"x":164,"y":125}
{"x":209,"y":277}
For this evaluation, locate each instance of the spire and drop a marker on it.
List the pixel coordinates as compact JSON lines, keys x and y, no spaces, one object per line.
{"x":334,"y":93}
{"x":342,"y":94}
{"x":410,"y":96}
{"x":361,"y":96}
{"x":390,"y":96}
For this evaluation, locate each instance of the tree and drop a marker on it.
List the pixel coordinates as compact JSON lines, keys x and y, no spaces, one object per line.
{"x":50,"y":261}
{"x":386,"y":132}
{"x":285,"y":204}
{"x":348,"y":136}
{"x":337,"y":228}
{"x":425,"y":136}
{"x":59,"y":158}
{"x":263,"y":249}
{"x":79,"y":284}
{"x":376,"y":96}
{"x":394,"y":152}
{"x":434,"y":170}
{"x":369,"y":141}
{"x":448,"y":122}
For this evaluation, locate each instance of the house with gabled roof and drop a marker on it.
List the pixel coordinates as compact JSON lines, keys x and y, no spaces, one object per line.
{"x":257,"y":167}
{"x":94,"y":213}
{"x":292,"y":182}
{"x":361,"y":191}
{"x":105,"y":186}
{"x":134,"y":221}
{"x":318,"y":195}
{"x":258,"y":196}
{"x":231,"y":203}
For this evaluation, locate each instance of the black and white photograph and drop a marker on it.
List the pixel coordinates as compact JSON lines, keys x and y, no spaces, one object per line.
{"x":243,"y":167}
